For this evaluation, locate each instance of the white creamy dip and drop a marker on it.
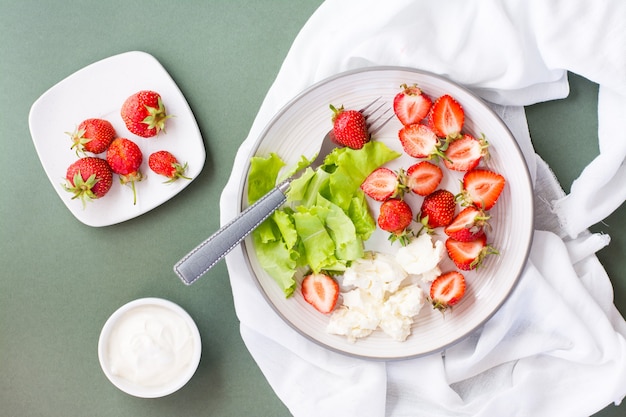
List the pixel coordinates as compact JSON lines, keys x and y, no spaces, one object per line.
{"x":150,"y":345}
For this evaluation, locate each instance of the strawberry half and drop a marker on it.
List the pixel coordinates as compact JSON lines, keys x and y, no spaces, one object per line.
{"x":423,"y":177}
{"x":468,"y":225}
{"x":465,"y":153}
{"x":437,"y":209}
{"x":419,"y":141}
{"x":321,"y":291}
{"x":446,"y":117}
{"x":383,"y":184}
{"x":469,"y":255}
{"x":447,"y":290}
{"x":349,"y":128}
{"x":395,"y":216}
{"x":482,"y":188}
{"x":411,"y":105}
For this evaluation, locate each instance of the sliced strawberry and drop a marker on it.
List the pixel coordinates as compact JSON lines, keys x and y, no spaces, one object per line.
{"x":481,"y":188}
{"x":395,"y":216}
{"x":438,"y":209}
{"x":382,"y":184}
{"x":446,"y":116}
{"x":419,"y":141}
{"x":465,"y":153}
{"x":321,"y":291}
{"x":468,"y":225}
{"x":469,"y":255}
{"x":411,"y":105}
{"x":423,"y":177}
{"x":447,"y":290}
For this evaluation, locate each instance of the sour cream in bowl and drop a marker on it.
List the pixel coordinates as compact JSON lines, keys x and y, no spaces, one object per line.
{"x":149,"y":348}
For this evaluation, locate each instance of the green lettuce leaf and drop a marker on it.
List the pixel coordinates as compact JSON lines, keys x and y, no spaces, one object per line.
{"x":326,"y":219}
{"x":262,"y":175}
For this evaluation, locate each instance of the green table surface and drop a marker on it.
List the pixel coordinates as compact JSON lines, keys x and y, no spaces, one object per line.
{"x":60,"y":280}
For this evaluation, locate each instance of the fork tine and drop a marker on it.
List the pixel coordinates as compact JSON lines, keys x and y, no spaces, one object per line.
{"x":370,"y":105}
{"x":381,"y":122}
{"x":371,"y":123}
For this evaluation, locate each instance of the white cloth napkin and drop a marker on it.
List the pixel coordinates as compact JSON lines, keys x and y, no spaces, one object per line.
{"x":557,"y":347}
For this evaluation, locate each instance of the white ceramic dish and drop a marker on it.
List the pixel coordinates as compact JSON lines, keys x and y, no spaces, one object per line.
{"x":298,"y":129}
{"x":149,"y":348}
{"x":99,"y":90}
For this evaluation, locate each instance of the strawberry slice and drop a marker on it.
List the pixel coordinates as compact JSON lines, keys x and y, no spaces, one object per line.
{"x":419,"y":141}
{"x":465,"y":153}
{"x":446,"y":116}
{"x":482,"y":188}
{"x":437,"y":209}
{"x":411,"y":105}
{"x":423,"y":177}
{"x":321,"y":291}
{"x":468,"y":225}
{"x":447,"y":290}
{"x":469,"y":255}
{"x":382,"y":184}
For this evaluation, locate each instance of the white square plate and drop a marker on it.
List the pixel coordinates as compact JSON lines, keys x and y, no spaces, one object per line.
{"x":99,"y":90}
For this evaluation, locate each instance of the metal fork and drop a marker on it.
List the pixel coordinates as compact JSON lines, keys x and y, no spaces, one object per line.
{"x":201,"y":259}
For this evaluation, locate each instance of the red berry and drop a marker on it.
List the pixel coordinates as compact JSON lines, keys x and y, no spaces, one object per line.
{"x":465,"y":153}
{"x":144,"y":113}
{"x":125,"y":157}
{"x":447,"y":290}
{"x":482,"y":188}
{"x":349,"y":128}
{"x":469,"y":255}
{"x":395,"y":216}
{"x":423,"y":177}
{"x":321,"y":291}
{"x":166,"y":164}
{"x":89,"y":178}
{"x":411,"y":105}
{"x":438,"y":209}
{"x":382,"y":184}
{"x":446,"y":117}
{"x":468,"y":225}
{"x":92,"y":135}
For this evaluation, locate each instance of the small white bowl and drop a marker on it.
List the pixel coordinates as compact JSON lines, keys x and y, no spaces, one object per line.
{"x":149,"y":348}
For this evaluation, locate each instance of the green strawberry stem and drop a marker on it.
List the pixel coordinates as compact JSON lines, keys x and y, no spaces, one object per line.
{"x":131,"y":178}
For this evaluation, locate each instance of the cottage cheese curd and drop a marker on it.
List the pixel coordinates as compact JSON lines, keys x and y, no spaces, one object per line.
{"x":383,"y":291}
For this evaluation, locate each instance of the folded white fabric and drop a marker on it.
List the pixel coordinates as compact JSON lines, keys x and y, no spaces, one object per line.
{"x":557,"y":347}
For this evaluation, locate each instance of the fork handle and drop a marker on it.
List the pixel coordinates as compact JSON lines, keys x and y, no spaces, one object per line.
{"x":208,"y":253}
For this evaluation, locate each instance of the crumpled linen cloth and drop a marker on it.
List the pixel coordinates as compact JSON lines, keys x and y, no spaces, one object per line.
{"x":557,"y":346}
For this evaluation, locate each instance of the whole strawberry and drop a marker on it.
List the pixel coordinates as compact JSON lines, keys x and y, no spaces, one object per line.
{"x":166,"y":164}
{"x":349,"y":128}
{"x":144,"y":113}
{"x":92,"y":135}
{"x":125,"y":157}
{"x":395,"y":216}
{"x":438,"y":209}
{"x":88,"y":179}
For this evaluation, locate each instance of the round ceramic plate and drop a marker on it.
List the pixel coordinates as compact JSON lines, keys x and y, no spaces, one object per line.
{"x":99,"y":90}
{"x":298,"y":130}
